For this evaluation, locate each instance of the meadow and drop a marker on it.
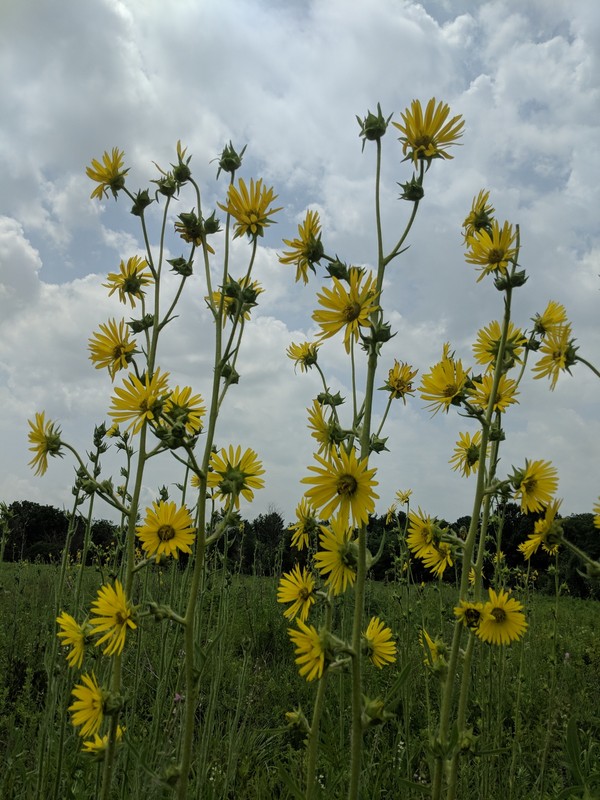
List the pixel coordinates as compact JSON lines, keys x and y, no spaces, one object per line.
{"x":534,"y":707}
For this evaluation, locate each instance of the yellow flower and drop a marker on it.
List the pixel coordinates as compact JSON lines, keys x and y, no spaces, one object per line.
{"x":426,"y":137}
{"x":480,"y":215}
{"x":403,"y":497}
{"x":97,"y":746}
{"x":432,"y":649}
{"x":304,"y":354}
{"x":306,"y":525}
{"x":379,"y":643}
{"x":297,"y":587}
{"x":185,"y":409}
{"x":558,"y":354}
{"x":479,"y":395}
{"x":232,"y":473}
{"x":250,"y":208}
{"x":596,"y":510}
{"x":45,"y":440}
{"x":113,"y":615}
{"x":400,"y":381}
{"x":237,"y":300}
{"x":502,"y":620}
{"x":128,"y":281}
{"x":336,"y":558}
{"x":88,"y":706}
{"x":421,"y":533}
{"x":469,"y":613}
{"x":492,"y":250}
{"x":138,"y":401}
{"x":166,"y":530}
{"x":487,"y":345}
{"x":310,"y":650}
{"x":444,"y":385}
{"x":535,"y":484}
{"x":554,"y":317}
{"x":466,"y":453}
{"x":437,"y":558}
{"x":547,"y":533}
{"x":307,"y":250}
{"x":326,"y":432}
{"x":110,"y":347}
{"x":72,"y":635}
{"x":109,"y":175}
{"x":347,"y":309}
{"x":343,"y":482}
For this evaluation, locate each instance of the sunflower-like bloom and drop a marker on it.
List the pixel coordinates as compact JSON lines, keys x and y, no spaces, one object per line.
{"x":347,"y":309}
{"x":113,"y":614}
{"x":421,"y":533}
{"x":129,"y":280}
{"x":87,"y":710}
{"x":444,"y":385}
{"x":73,"y":635}
{"x":558,"y":355}
{"x":336,"y":558}
{"x":307,"y":249}
{"x":298,"y":588}
{"x":596,"y":510}
{"x":378,"y":643}
{"x":237,"y":301}
{"x":402,"y":498}
{"x":535,"y":484}
{"x":432,"y":649}
{"x":250,"y":207}
{"x":554,"y":317}
{"x":185,"y":409}
{"x":45,"y":440}
{"x":306,"y":525}
{"x":547,"y":533}
{"x":487,"y":345}
{"x":326,"y":432}
{"x":480,"y":216}
{"x":427,"y":137}
{"x":400,"y":381}
{"x":480,"y":393}
{"x":469,"y":613}
{"x":304,"y":355}
{"x":108,"y":175}
{"x":310,"y":650}
{"x":233,"y":473}
{"x":437,"y":558}
{"x":466,"y":454}
{"x":166,"y":530}
{"x":138,"y":401}
{"x":492,"y":250}
{"x":110,"y":347}
{"x":502,"y":620}
{"x":343,"y":481}
{"x":97,"y":746}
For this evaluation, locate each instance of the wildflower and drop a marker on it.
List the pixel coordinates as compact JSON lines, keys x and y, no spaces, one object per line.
{"x":426,"y":137}
{"x":481,"y":392}
{"x":185,"y":409}
{"x":307,"y":250}
{"x":492,"y":250}
{"x":305,"y":526}
{"x":97,"y":746}
{"x":400,"y":381}
{"x":310,"y":650}
{"x":444,"y":385}
{"x":113,"y":615}
{"x":596,"y":510}
{"x":553,"y":318}
{"x":109,"y":175}
{"x":88,"y":706}
{"x":469,"y":613}
{"x":347,"y":309}
{"x":558,"y":355}
{"x":139,"y":401}
{"x":434,"y":656}
{"x":297,"y":587}
{"x":130,"y":279}
{"x":403,"y":497}
{"x":110,"y":347}
{"x":304,"y":355}
{"x":480,"y":215}
{"x":326,"y":432}
{"x":547,"y":533}
{"x":502,"y":620}
{"x":336,"y":557}
{"x":421,"y":533}
{"x":487,"y":345}
{"x":466,"y":453}
{"x":166,"y":530}
{"x":72,"y":635}
{"x":343,"y":481}
{"x":437,"y":558}
{"x":45,"y":440}
{"x":234,"y":473}
{"x":535,"y":484}
{"x":250,"y":208}
{"x":379,"y":643}
{"x":236,"y":300}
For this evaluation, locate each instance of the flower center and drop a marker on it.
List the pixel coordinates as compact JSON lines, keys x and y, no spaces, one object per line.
{"x":499,"y":614}
{"x":347,"y":485}
{"x":303,"y":594}
{"x":496,"y":256}
{"x":165,"y":533}
{"x":121,"y":618}
{"x":351,"y":312}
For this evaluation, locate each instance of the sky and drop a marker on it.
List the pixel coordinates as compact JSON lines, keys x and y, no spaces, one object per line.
{"x":287,"y":79}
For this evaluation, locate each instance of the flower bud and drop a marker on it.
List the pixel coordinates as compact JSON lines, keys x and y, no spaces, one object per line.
{"x":373,"y":126}
{"x":181,"y":266}
{"x":412,"y":190}
{"x":141,"y":201}
{"x":140,"y":325}
{"x":229,"y":160}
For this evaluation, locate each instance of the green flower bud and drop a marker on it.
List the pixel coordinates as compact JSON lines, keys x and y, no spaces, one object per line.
{"x":412,"y":190}
{"x":504,"y":281}
{"x":140,"y":325}
{"x":181,"y":266}
{"x":230,"y":161}
{"x":337,"y":269}
{"x":141,"y":201}
{"x":373,"y":126}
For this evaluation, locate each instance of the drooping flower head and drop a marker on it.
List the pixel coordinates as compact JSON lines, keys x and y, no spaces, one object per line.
{"x":87,"y":710}
{"x":547,"y":533}
{"x":250,"y":207}
{"x":45,"y":440}
{"x":336,"y":559}
{"x":97,"y":746}
{"x":129,"y":280}
{"x":73,"y":635}
{"x":111,"y":348}
{"x":307,"y":249}
{"x":443,"y":386}
{"x":139,"y":401}
{"x":378,"y":642}
{"x":502,"y":620}
{"x":112,"y":616}
{"x":310,"y":650}
{"x":304,"y":355}
{"x":428,"y":136}
{"x":298,"y":588}
{"x":480,"y":216}
{"x":558,"y":355}
{"x":233,"y":473}
{"x":492,"y":250}
{"x":167,"y":530}
{"x":535,"y":484}
{"x":400,"y":381}
{"x":109,"y":174}
{"x":347,"y":306}
{"x":306,"y":525}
